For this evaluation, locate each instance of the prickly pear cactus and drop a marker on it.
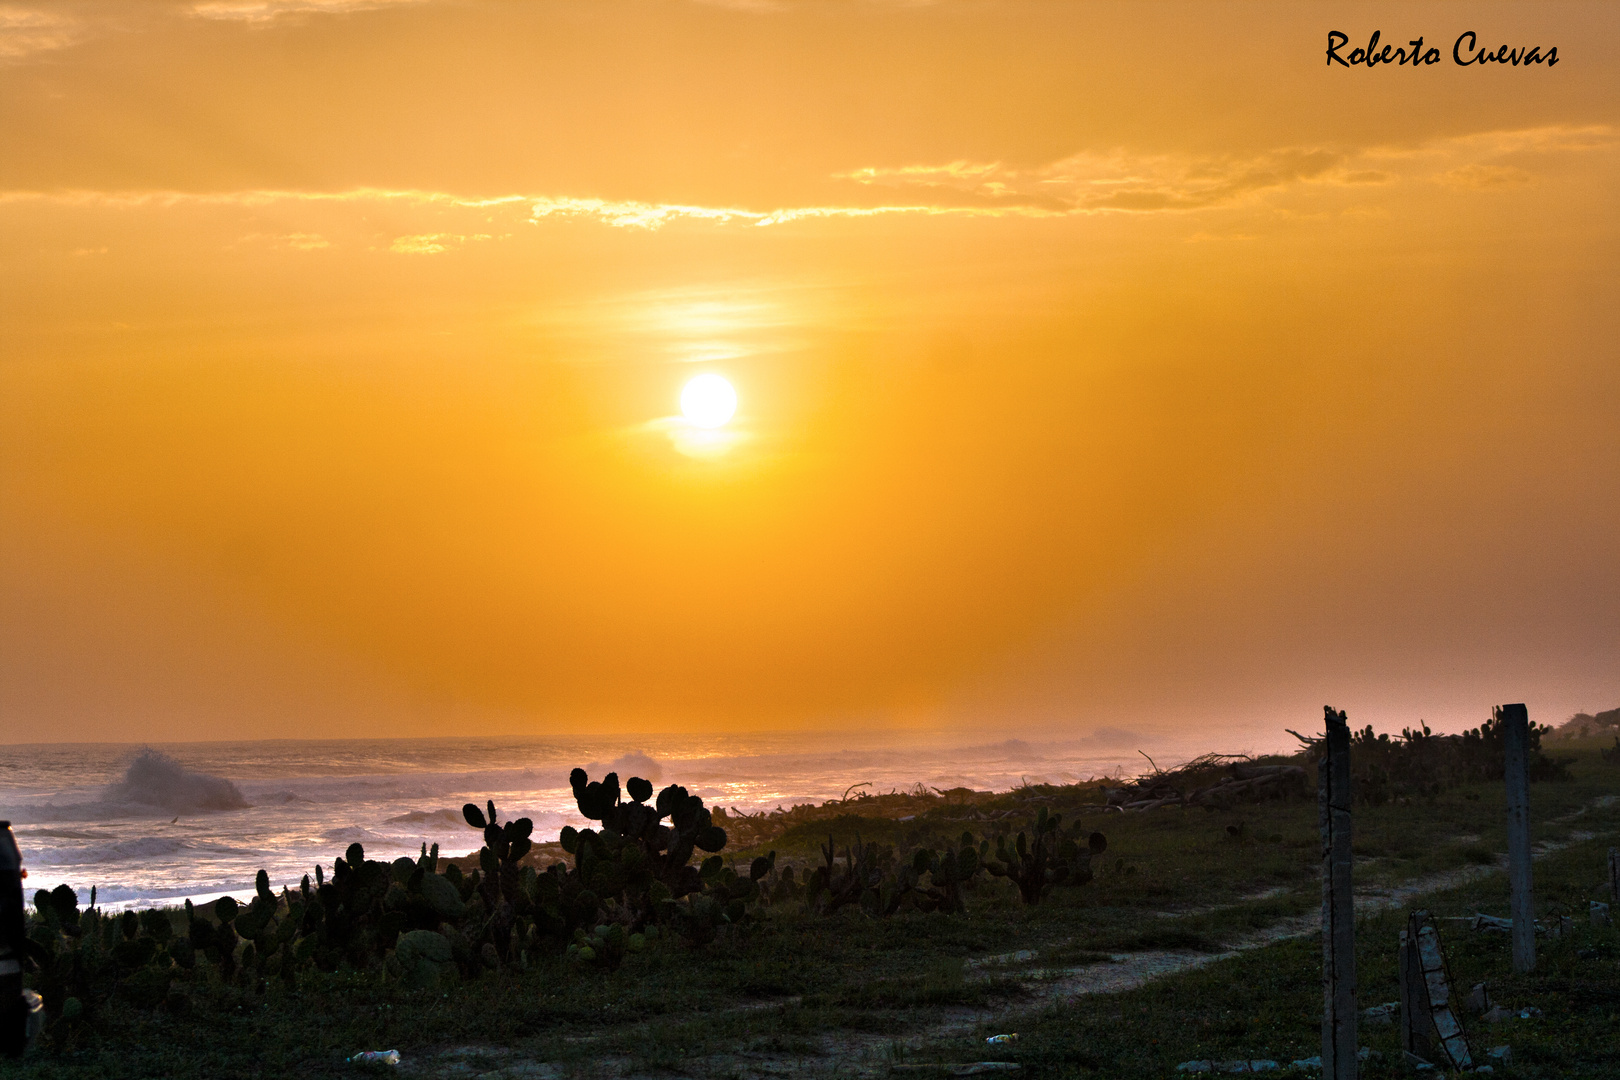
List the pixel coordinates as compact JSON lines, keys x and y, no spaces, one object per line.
{"x":639,"y":862}
{"x":949,"y":872}
{"x":1031,"y":864}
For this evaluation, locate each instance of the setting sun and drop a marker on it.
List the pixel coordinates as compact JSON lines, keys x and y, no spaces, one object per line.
{"x":715,"y":433}
{"x":797,"y":366}
{"x":708,"y":401}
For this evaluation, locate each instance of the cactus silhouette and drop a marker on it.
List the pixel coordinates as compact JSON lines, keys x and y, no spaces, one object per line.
{"x":1045,"y":857}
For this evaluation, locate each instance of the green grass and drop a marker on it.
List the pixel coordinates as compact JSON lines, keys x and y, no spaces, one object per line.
{"x":792,"y":994}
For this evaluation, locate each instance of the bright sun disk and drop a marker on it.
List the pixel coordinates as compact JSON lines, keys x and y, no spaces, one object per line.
{"x":708,"y":401}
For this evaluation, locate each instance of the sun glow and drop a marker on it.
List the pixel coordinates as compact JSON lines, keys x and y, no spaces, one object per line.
{"x":708,"y":401}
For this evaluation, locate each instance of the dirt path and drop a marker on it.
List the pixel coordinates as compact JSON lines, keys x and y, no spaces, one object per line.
{"x":1131,"y":970}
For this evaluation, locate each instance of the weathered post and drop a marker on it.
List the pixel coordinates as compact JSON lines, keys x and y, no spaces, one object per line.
{"x":1338,"y":906}
{"x":1515,"y":721}
{"x":1614,"y":876}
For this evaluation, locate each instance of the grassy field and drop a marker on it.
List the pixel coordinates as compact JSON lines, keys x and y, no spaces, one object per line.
{"x":1195,"y":941}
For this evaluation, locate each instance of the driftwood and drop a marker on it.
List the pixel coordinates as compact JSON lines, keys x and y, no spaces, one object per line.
{"x":1429,"y":1027}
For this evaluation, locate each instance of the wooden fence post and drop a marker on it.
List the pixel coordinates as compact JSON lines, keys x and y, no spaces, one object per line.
{"x":1338,"y":904}
{"x":1515,"y":721}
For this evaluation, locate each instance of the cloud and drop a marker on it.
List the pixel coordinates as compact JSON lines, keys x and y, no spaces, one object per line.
{"x":431,"y":243}
{"x":266,"y":11}
{"x":423,"y":244}
{"x":1482,"y":177}
{"x":691,"y":440}
{"x":953,"y":173}
{"x":619,"y":213}
{"x":1127,"y":182}
{"x":25,"y":31}
{"x":257,"y":197}
{"x":299,"y":241}
{"x":304,"y":241}
{"x":1549,"y":139}
{"x":1089,"y":182}
{"x":630,"y":213}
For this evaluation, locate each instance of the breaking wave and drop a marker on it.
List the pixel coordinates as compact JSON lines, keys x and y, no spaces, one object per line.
{"x":451,"y":819}
{"x":635,"y":763}
{"x":155,"y":780}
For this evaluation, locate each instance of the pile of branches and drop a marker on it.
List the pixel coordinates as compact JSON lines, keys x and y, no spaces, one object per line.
{"x":940,"y":807}
{"x":929,"y":808}
{"x":1419,"y":763}
{"x":1213,"y":781}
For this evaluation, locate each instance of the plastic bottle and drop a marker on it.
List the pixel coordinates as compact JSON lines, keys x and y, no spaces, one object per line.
{"x":376,"y":1057}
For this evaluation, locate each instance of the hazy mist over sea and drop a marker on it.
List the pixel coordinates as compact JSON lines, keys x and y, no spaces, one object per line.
{"x":165,"y":822}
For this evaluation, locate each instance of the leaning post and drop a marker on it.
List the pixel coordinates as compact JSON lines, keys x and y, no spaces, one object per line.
{"x":1515,"y":722}
{"x":1338,"y":905}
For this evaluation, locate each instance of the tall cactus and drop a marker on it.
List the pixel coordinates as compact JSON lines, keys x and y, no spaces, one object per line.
{"x":501,"y":887}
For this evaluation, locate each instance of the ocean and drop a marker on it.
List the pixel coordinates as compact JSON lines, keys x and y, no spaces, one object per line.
{"x":163,"y":822}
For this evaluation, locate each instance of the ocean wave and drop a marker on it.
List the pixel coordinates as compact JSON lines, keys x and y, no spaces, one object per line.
{"x":446,"y":819}
{"x":158,"y":781}
{"x":430,"y":787}
{"x":153,"y":785}
{"x":63,"y":834}
{"x":144,"y":847}
{"x":278,"y":798}
{"x":1006,"y":750}
{"x":635,"y":763}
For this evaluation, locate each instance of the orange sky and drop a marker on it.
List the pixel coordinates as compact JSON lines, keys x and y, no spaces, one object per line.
{"x":1098,"y":365}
